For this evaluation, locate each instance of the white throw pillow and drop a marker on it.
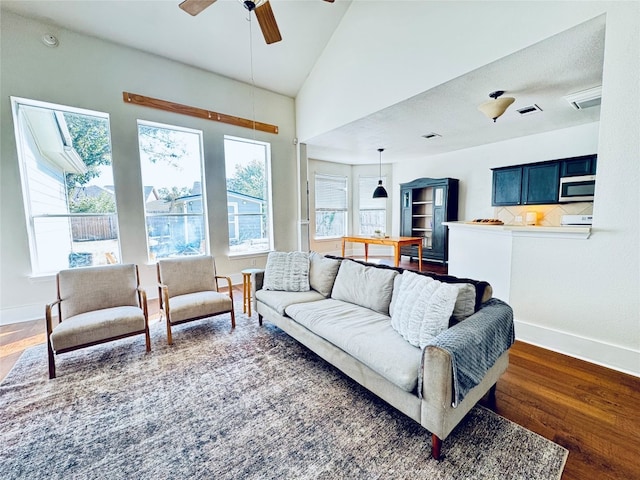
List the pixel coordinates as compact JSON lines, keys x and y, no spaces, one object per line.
{"x":287,"y":271}
{"x":422,"y":308}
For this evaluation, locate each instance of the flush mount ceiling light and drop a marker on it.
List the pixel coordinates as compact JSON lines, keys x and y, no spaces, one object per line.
{"x":380,"y":192}
{"x":496,"y":107}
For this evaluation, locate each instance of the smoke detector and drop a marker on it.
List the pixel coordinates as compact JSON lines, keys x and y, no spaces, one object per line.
{"x":50,"y":40}
{"x":585,"y":98}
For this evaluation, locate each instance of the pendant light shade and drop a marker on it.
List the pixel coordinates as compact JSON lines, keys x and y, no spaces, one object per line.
{"x":496,"y":107}
{"x":380,"y":192}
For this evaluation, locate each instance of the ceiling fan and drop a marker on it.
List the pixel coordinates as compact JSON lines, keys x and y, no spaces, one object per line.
{"x":262,"y":8}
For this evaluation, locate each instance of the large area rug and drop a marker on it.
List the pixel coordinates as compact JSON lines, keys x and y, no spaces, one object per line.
{"x":245,"y":404}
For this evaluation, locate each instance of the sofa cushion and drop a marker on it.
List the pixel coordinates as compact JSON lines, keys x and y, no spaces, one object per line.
{"x":363,"y":334}
{"x":198,"y":304}
{"x":322,"y":273}
{"x":465,"y":302}
{"x":287,"y":271}
{"x":423,"y":308}
{"x":367,"y":286}
{"x":97,"y":325}
{"x":484,"y":292}
{"x":281,"y":300}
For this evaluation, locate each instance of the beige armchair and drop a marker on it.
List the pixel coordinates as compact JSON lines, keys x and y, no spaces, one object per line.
{"x":96,"y":305}
{"x":188,"y":290}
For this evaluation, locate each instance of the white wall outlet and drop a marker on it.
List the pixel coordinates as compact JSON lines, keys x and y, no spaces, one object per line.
{"x":253,"y":262}
{"x":518,"y":219}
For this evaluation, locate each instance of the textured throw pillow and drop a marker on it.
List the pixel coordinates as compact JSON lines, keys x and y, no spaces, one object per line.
{"x":322,"y":273}
{"x":287,"y":271}
{"x":422,"y":308}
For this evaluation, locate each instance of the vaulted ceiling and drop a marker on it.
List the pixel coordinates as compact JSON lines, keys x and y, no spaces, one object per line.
{"x":217,"y":40}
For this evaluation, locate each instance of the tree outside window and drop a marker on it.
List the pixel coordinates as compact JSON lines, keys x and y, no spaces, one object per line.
{"x":247,"y":165}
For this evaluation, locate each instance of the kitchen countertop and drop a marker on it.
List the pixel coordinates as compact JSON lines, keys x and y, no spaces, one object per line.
{"x":569,"y":231}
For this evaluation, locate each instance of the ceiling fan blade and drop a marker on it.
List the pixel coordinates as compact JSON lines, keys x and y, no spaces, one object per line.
{"x":268,"y":24}
{"x":330,"y":1}
{"x":194,"y":7}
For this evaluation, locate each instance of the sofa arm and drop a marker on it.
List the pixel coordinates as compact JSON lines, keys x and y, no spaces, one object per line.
{"x":470,"y":348}
{"x":259,"y":280}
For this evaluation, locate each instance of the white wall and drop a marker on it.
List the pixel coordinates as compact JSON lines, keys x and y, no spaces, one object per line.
{"x":89,"y":73}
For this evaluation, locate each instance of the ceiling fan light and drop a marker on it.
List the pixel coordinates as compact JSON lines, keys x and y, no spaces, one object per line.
{"x":380,"y":192}
{"x":495,"y":108}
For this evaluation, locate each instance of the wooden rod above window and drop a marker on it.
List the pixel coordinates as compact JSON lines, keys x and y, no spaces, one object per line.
{"x":197,"y":112}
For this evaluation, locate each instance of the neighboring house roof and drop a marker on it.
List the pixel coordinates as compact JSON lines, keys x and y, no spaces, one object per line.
{"x":90,"y":191}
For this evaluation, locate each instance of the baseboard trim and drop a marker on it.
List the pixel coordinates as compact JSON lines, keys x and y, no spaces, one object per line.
{"x":24,"y":313}
{"x":618,"y":358}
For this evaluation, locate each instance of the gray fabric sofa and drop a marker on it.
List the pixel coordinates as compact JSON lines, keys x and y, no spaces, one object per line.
{"x":346,"y":317}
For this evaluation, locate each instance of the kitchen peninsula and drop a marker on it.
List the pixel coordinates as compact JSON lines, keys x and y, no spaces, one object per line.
{"x":487,"y":251}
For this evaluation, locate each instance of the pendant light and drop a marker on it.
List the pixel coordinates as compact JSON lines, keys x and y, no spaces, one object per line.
{"x":496,"y":107}
{"x":380,"y":192}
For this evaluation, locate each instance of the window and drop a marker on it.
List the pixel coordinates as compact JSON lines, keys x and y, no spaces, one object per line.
{"x":171,"y":162}
{"x":67,"y":185}
{"x":331,"y":206}
{"x":373,"y":211}
{"x":248,"y":167}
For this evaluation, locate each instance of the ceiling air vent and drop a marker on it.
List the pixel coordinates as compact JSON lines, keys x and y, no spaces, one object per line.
{"x":431,"y":135}
{"x":585,"y":98}
{"x":529,"y":110}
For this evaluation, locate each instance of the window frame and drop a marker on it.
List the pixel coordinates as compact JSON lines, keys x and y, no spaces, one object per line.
{"x":73,"y":158}
{"x":366,"y":185}
{"x":185,"y":214}
{"x":343,"y":210}
{"x":266,"y":211}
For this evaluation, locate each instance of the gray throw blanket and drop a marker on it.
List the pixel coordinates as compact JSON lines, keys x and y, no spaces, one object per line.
{"x":474,"y":345}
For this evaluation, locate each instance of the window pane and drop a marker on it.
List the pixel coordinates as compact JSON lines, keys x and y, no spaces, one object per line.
{"x":65,"y":165}
{"x":171,"y":164}
{"x":373,"y":212}
{"x":247,"y":164}
{"x":331,"y":206}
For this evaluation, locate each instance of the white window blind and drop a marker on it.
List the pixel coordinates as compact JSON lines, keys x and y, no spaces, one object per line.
{"x":331,"y":205}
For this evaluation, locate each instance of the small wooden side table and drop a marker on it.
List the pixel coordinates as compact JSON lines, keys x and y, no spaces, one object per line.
{"x":247,"y":274}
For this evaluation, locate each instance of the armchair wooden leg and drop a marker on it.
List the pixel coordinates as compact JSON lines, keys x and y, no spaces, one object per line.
{"x":233,"y":319}
{"x":169,"y":337}
{"x":436,"y":446}
{"x":147,"y":338}
{"x":52,"y":361}
{"x":259,"y":319}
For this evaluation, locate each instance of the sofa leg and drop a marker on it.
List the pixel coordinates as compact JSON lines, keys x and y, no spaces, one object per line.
{"x":436,"y":445}
{"x":259,"y":319}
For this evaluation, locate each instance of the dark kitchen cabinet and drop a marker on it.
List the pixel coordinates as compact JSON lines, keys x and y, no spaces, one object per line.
{"x":507,"y":186}
{"x":540,"y":183}
{"x":533,"y":184}
{"x":425,"y":204}
{"x":578,"y":166}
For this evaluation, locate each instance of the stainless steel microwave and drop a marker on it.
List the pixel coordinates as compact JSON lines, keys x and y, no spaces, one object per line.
{"x":577,"y":189}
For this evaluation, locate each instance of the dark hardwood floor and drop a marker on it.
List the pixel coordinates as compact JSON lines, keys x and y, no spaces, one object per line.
{"x":592,"y":411}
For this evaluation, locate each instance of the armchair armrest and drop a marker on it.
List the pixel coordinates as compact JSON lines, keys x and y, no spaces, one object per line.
{"x":465,"y":352}
{"x":142,"y":300}
{"x":229,"y":284}
{"x":48,"y":318}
